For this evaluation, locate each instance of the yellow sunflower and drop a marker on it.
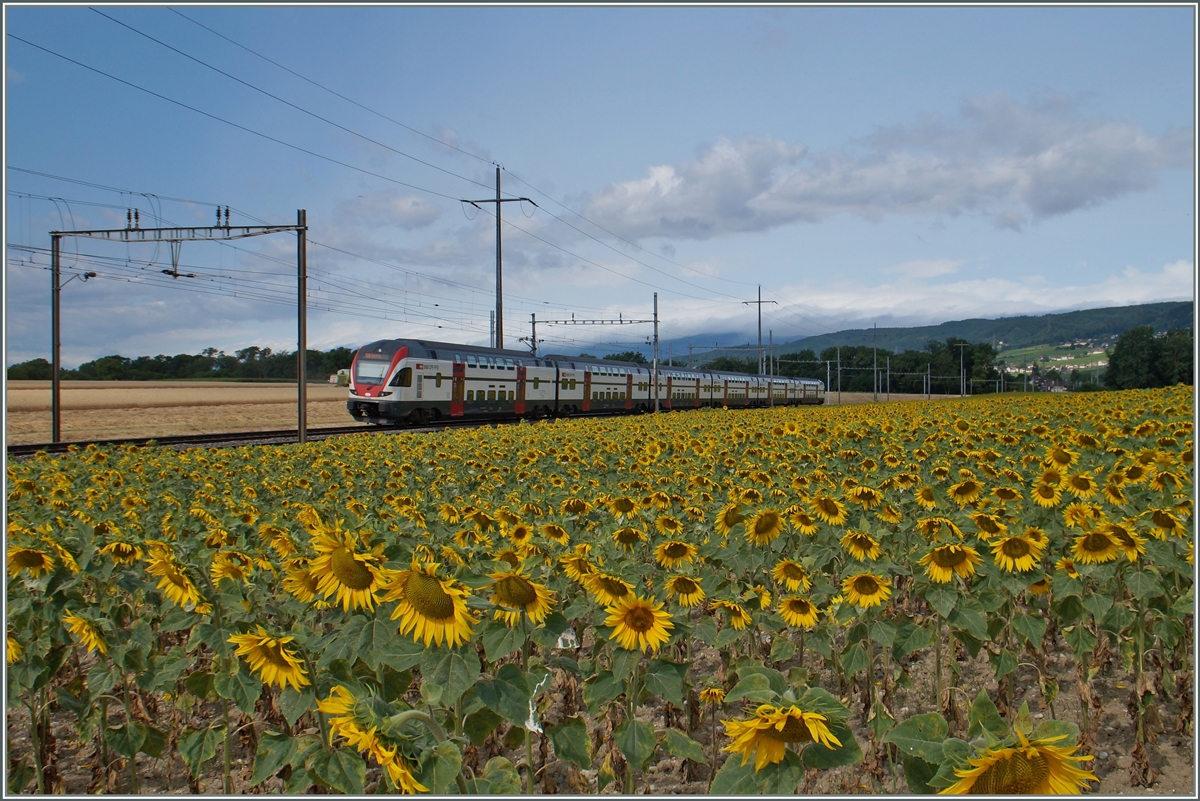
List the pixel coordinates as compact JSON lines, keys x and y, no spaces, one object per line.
{"x":576,"y":564}
{"x":639,"y":623}
{"x":739,"y":618}
{"x":87,"y":632}
{"x":965,"y":492}
{"x":861,"y":545}
{"x":925,"y":497}
{"x":231,"y":565}
{"x":13,"y":649}
{"x":712,"y":695}
{"x":889,"y":514}
{"x":1082,"y":485}
{"x":606,"y":588}
{"x":299,"y":581}
{"x":173,"y":581}
{"x":1017,"y":553}
{"x":1034,"y":767}
{"x":668,"y":526}
{"x":764,"y":527}
{"x":35,"y":561}
{"x":1067,"y":566}
{"x":1046,"y":495}
{"x":989,"y":525}
{"x":1006,"y":494}
{"x":123,"y":553}
{"x":674,"y":553}
{"x":792,"y":575}
{"x":829,"y":510}
{"x":799,"y":612}
{"x":515,"y":593}
{"x":271,"y":660}
{"x":865,"y":496}
{"x":867,"y":589}
{"x":767,"y":734}
{"x":353,"y":578}
{"x":1126,"y":538}
{"x":945,"y":560}
{"x":728,"y":517}
{"x":622,"y":507}
{"x":434,"y":610}
{"x":1095,"y":548}
{"x":802,"y":521}
{"x":557,"y":533}
{"x":685,"y":590}
{"x":629,"y":538}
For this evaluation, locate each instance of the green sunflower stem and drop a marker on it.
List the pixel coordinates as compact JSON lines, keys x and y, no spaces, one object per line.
{"x":37,"y":751}
{"x":133,"y":781}
{"x":394,"y":722}
{"x":937,"y":662}
{"x":1140,"y":640}
{"x":227,"y":768}
{"x":528,"y":734}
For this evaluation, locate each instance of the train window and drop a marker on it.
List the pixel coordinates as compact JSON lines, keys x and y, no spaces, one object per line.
{"x":564,"y":383}
{"x":457,"y":359}
{"x":512,"y":395}
{"x":403,"y":378}
{"x":470,"y":394}
{"x":536,"y":381}
{"x":471,"y":362}
{"x":509,"y":364}
{"x":437,"y":380}
{"x":572,"y":383}
{"x":491,"y":394}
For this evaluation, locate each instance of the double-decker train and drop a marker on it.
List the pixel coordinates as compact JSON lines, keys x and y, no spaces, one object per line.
{"x":394,"y":381}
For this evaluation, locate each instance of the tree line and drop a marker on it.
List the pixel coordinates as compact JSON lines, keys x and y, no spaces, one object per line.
{"x":252,"y":363}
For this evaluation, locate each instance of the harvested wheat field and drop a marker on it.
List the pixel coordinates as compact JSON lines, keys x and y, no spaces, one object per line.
{"x":114,"y":409}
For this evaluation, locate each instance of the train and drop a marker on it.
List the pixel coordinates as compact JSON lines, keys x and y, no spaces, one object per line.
{"x":411,"y":381}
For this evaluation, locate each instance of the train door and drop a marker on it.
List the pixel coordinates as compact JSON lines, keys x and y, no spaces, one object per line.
{"x":456,"y":388}
{"x":629,"y":390}
{"x":725,"y":394}
{"x":669,"y":391}
{"x":519,"y":406}
{"x":587,"y":389}
{"x":697,"y":403}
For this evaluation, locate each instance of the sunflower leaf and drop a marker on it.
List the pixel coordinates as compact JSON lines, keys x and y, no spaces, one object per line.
{"x":274,"y":751}
{"x":970,"y":621}
{"x":665,"y":679}
{"x":1031,"y":628}
{"x":636,"y":740}
{"x":918,"y":772}
{"x":294,"y":703}
{"x":678,"y":744}
{"x":507,"y":694}
{"x":452,"y":671}
{"x":984,"y":716}
{"x":1143,"y":585}
{"x":499,"y":640}
{"x":501,"y":778}
{"x":600,"y":689}
{"x":754,"y":687}
{"x":479,"y":724}
{"x":341,"y":770}
{"x":239,"y":687}
{"x":942,"y":599}
{"x":197,"y":746}
{"x":706,"y":631}
{"x":1097,"y":603}
{"x":571,"y":741}
{"x":956,"y":753}
{"x":848,"y":753}
{"x":439,"y":766}
{"x":920,"y":736}
{"x":126,"y":740}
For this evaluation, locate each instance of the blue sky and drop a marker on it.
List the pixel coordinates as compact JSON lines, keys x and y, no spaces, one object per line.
{"x":898,"y":166}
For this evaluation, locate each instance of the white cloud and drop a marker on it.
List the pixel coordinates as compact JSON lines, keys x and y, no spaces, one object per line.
{"x":388,"y":209}
{"x":925,"y":268}
{"x":999,"y":159}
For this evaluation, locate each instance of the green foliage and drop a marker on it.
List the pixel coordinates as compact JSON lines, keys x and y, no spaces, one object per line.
{"x":1142,"y":360}
{"x":248,"y":364}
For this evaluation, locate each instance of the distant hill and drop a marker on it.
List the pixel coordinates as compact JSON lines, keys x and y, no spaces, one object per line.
{"x":1013,"y":332}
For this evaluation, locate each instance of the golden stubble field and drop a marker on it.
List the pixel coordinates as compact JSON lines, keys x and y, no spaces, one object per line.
{"x":94,"y":410}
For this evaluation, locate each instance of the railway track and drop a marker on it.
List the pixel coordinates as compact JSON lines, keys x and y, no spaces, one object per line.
{"x":234,"y":438}
{"x":275,"y":437}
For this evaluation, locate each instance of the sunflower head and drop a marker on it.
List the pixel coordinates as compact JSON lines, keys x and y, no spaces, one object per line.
{"x":866,"y":589}
{"x":639,"y":623}
{"x":433,"y":609}
{"x":514,"y":593}
{"x":686,"y":590}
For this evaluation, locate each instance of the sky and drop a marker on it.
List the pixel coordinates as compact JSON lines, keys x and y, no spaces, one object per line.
{"x":862,"y":165}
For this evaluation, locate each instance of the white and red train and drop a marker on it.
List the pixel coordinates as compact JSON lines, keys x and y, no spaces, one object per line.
{"x":394,"y":381}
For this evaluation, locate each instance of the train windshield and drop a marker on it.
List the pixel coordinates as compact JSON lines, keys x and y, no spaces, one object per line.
{"x":372,"y":363}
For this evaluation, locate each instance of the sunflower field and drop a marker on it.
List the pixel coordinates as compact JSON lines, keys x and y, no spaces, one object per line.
{"x":569,"y":606}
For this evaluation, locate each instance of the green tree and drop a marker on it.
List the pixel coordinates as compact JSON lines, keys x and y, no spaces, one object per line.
{"x":627,"y":356}
{"x":32,"y":370}
{"x":1132,"y":361}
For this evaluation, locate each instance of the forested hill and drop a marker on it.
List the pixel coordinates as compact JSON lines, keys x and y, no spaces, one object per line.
{"x":1014,"y":332}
